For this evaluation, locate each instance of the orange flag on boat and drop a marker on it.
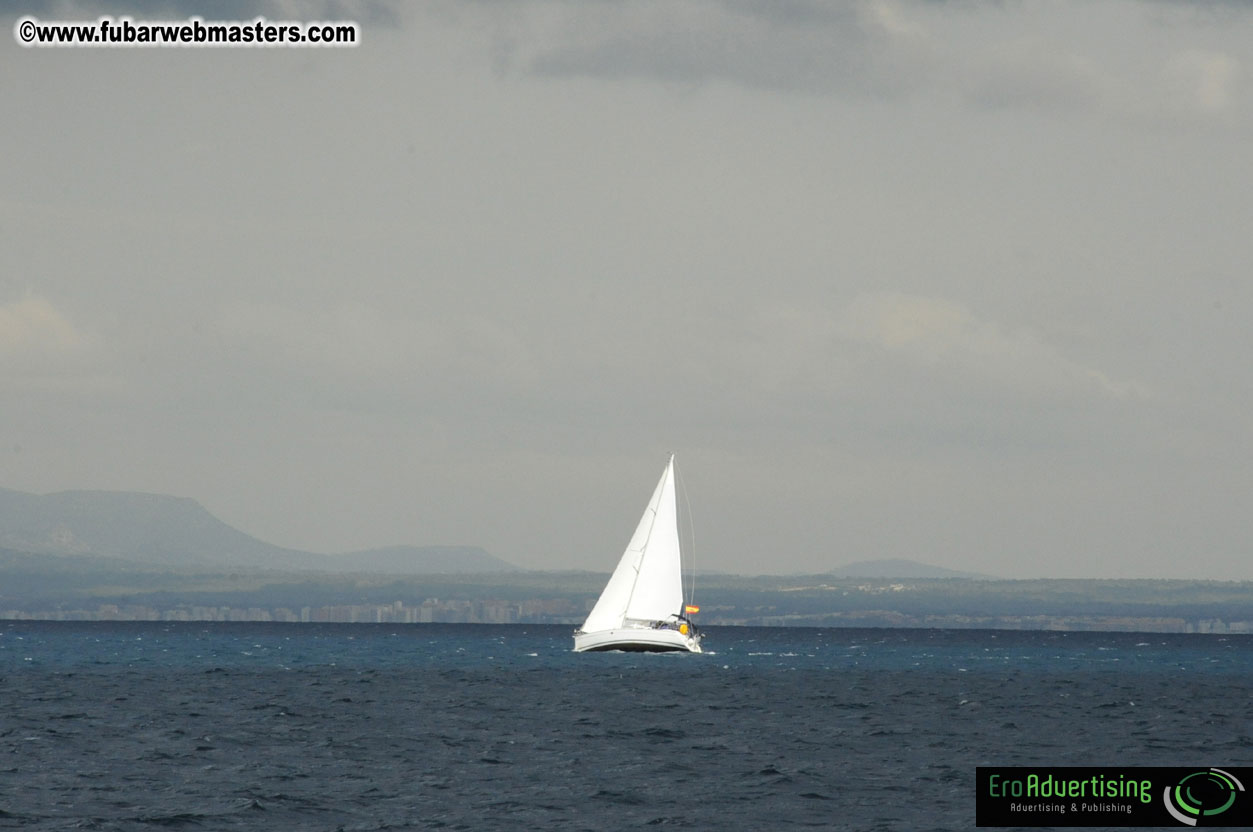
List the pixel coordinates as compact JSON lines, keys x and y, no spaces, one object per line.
{"x":691,"y":608}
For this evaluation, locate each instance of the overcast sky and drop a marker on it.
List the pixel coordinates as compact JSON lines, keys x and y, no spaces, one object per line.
{"x":967,"y":283}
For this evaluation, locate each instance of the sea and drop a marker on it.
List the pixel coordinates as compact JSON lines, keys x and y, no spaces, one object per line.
{"x":267,"y":726}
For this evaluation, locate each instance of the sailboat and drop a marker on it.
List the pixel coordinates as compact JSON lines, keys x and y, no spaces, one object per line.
{"x":641,"y":608}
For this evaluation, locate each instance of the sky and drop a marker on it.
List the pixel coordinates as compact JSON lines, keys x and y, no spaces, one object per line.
{"x":968,"y":283}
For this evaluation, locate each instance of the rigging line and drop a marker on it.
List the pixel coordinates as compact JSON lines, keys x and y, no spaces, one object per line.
{"x":639,"y":562}
{"x":651,"y":509}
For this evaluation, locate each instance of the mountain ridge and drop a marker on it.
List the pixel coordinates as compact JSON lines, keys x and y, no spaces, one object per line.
{"x":179,"y":532}
{"x":901,"y":568}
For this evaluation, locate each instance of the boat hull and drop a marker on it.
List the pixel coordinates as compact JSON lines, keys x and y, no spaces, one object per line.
{"x":638,"y":640}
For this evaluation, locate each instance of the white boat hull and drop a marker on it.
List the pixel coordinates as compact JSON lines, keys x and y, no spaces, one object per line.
{"x":637,"y":639}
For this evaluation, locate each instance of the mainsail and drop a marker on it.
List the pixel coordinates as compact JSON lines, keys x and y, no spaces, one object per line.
{"x":647,"y":584}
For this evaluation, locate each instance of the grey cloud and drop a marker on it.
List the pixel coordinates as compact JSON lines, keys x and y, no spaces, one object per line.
{"x":1009,"y":56}
{"x":792,"y":46}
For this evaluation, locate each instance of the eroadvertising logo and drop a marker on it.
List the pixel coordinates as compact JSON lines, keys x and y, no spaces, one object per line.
{"x":1113,"y":796}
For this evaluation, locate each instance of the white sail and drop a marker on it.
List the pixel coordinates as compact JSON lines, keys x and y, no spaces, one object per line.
{"x":659,"y":589}
{"x":647,"y":584}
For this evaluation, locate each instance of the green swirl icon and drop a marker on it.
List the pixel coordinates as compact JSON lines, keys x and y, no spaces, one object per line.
{"x":1201,"y":796}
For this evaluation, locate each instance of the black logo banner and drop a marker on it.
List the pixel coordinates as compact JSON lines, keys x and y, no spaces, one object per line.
{"x":1114,"y":796}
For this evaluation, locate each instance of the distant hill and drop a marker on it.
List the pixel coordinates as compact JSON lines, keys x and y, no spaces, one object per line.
{"x":149,"y":528}
{"x":403,"y":560}
{"x":179,"y":533}
{"x":898,"y":568}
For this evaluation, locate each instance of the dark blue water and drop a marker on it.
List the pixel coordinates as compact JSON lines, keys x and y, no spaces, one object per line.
{"x":119,"y":726}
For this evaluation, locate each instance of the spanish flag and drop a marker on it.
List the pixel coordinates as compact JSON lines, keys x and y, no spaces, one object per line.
{"x":690,"y":609}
